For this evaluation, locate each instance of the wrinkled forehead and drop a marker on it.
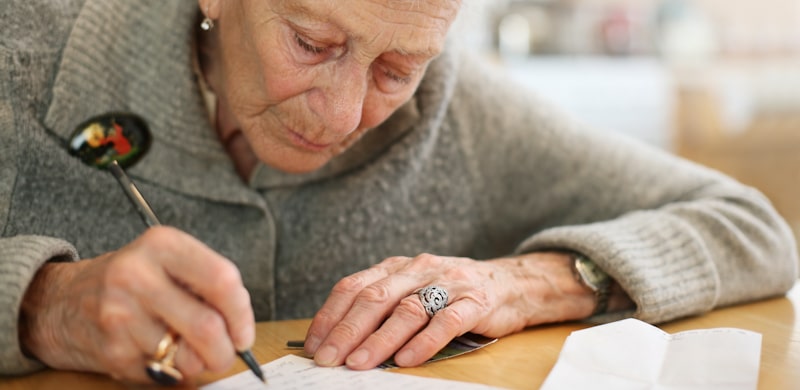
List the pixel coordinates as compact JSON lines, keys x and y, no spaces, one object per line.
{"x":442,"y":9}
{"x":401,"y":11}
{"x":425,"y":20}
{"x":445,"y":9}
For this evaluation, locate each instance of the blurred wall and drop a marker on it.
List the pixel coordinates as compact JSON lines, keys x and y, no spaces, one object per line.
{"x":716,"y":81}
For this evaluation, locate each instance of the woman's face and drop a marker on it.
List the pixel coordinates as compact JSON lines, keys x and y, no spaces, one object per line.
{"x":303,"y":79}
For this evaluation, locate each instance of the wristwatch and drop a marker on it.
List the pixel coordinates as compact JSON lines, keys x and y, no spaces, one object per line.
{"x":591,"y":276}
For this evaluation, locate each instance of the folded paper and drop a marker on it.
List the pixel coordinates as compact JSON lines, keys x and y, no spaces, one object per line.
{"x":631,"y":354}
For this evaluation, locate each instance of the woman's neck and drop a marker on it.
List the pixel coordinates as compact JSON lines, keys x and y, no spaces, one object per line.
{"x":211,"y":81}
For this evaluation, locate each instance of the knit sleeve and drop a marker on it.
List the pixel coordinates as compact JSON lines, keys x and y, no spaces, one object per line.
{"x":680,"y":239}
{"x":725,"y":245}
{"x":21,"y":256}
{"x":20,"y":259}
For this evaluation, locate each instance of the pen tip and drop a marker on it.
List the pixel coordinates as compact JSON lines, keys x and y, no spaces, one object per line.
{"x":251,"y":363}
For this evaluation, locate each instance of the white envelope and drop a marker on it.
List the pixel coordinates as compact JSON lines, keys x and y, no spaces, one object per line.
{"x":631,"y":354}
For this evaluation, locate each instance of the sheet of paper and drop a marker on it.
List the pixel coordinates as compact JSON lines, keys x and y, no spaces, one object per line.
{"x":294,"y":372}
{"x":631,"y":354}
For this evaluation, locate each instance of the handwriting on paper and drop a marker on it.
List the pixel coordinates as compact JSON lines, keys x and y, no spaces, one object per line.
{"x":293,"y":372}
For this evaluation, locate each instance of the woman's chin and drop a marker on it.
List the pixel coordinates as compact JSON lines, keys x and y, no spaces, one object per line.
{"x":298,"y":164}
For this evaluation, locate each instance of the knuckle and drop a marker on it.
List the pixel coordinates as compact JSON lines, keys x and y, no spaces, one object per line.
{"x":112,"y":316}
{"x":375,"y":293}
{"x":347,"y":331}
{"x":158,"y":237}
{"x":192,"y":368}
{"x":220,"y":362}
{"x":227,"y":277}
{"x":325,"y":316}
{"x":113,"y":353}
{"x":121,"y":272}
{"x":130,"y":274}
{"x":426,"y":263}
{"x":209,"y":326}
{"x":390,"y":261}
{"x":349,"y":285}
{"x":159,"y":240}
{"x":451,"y":319}
{"x":410,"y":308}
{"x":119,"y":357}
{"x":207,"y":332}
{"x":428,"y":259}
{"x":383,"y":339}
{"x":191,"y":365}
{"x":427,"y":339}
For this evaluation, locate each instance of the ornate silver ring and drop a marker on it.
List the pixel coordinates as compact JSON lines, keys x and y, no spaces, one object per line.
{"x":433,"y":298}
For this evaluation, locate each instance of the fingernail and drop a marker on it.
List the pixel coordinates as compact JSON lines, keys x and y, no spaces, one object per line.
{"x":404,"y":357}
{"x":358,"y":358}
{"x":326,"y":356}
{"x":311,"y":344}
{"x":248,"y":339}
{"x":244,"y":339}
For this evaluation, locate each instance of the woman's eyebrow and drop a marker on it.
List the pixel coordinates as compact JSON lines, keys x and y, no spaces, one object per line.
{"x":303,"y":13}
{"x":418,"y":54}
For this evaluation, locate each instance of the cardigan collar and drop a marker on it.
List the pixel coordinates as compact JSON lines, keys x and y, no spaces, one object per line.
{"x":137,"y":57}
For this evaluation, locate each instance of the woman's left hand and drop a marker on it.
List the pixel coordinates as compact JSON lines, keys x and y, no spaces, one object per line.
{"x":374,"y":314}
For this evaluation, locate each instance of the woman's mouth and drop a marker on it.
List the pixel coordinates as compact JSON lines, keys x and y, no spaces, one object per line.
{"x":302,"y":142}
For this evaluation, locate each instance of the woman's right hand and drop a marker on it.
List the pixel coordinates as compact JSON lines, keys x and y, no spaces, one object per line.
{"x":108,"y":314}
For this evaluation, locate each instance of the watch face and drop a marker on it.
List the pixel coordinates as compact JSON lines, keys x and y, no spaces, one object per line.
{"x":591,"y":274}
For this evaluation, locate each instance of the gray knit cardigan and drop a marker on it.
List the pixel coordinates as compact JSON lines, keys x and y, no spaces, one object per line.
{"x":471,"y":166}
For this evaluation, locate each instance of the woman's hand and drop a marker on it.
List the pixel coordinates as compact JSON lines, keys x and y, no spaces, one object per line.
{"x":108,"y":314}
{"x":374,"y":313}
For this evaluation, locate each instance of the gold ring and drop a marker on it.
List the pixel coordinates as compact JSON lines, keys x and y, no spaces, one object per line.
{"x":161,"y":368}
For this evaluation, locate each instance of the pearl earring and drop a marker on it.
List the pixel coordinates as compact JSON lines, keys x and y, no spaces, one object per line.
{"x":207,"y":23}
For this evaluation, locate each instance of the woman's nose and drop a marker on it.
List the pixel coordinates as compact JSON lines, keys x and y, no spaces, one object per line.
{"x":339,"y":100}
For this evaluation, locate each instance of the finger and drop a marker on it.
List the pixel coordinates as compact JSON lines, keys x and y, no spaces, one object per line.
{"x":202,"y":327}
{"x":162,"y":298}
{"x":208,"y":275}
{"x":132,"y":340}
{"x":148,"y":333}
{"x":371,"y":306}
{"x":188,"y":360}
{"x":454,"y":320}
{"x":406,"y":320}
{"x":342,"y":297}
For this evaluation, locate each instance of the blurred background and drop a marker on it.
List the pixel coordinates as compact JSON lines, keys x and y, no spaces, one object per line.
{"x":716,"y":81}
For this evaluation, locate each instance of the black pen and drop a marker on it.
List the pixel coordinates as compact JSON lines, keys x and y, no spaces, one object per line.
{"x":150,"y":219}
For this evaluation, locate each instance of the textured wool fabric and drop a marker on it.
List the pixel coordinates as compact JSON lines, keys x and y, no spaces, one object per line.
{"x":472,"y":166}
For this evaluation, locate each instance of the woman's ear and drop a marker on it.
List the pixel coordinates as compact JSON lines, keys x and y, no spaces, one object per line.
{"x":210,"y":8}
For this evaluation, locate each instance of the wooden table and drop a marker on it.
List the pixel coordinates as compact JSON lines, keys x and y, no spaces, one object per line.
{"x":520,"y":361}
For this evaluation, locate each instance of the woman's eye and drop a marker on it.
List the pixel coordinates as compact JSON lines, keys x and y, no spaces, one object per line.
{"x":307,"y":46}
{"x":396,"y":77}
{"x":390,"y":80}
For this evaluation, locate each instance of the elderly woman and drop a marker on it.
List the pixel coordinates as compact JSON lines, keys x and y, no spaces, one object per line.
{"x":341,"y":160}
